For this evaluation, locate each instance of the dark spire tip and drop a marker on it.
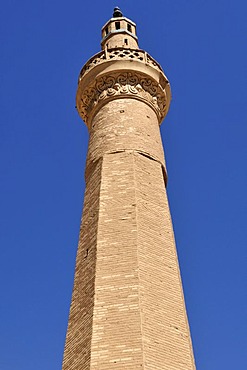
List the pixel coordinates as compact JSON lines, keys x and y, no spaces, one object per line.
{"x":117,"y":12}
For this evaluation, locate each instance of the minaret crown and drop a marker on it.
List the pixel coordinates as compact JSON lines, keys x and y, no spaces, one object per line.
{"x":120,"y":32}
{"x":121,"y":70}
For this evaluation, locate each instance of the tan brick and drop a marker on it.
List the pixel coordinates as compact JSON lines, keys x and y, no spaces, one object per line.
{"x":127,"y":309}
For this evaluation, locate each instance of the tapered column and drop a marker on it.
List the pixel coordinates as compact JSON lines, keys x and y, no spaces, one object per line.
{"x":127,"y":309}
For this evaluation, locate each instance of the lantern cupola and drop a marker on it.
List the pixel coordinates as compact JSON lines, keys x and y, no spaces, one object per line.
{"x":120,"y":32}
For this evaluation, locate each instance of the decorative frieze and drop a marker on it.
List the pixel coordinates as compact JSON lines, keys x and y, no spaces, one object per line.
{"x":122,"y":84}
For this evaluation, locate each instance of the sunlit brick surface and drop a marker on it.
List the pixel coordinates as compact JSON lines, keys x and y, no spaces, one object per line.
{"x":127,"y":309}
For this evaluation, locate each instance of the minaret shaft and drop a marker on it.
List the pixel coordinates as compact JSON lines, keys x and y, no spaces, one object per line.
{"x":127,"y":309}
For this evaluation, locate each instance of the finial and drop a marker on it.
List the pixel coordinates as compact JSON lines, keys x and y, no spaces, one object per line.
{"x":117,"y":12}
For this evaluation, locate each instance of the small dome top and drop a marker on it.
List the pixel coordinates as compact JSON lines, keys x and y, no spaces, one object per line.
{"x":117,"y":12}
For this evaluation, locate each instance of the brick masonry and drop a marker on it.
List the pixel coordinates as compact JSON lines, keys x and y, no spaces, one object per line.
{"x":127,"y":309}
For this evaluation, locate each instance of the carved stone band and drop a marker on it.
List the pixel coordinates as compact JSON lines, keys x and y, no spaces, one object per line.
{"x":118,"y":85}
{"x":119,"y":54}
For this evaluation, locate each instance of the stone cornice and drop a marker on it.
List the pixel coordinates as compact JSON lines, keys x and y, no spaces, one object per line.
{"x":123,"y":74}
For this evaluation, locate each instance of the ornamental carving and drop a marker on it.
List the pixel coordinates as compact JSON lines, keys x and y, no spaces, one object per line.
{"x":125,"y":84}
{"x":120,"y":54}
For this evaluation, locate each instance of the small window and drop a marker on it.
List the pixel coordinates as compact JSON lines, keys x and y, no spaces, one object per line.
{"x":117,"y":25}
{"x":106,"y":31}
{"x":129,"y":27}
{"x":126,"y":41}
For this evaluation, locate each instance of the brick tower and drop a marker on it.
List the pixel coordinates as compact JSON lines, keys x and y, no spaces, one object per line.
{"x":127,"y":309}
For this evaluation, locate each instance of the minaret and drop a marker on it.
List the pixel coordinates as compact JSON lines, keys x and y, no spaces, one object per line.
{"x":127,"y":309}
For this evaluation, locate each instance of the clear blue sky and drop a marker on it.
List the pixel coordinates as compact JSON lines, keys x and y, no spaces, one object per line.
{"x":201,"y":45}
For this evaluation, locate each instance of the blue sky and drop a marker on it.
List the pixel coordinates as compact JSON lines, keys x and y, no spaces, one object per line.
{"x":202,"y":47}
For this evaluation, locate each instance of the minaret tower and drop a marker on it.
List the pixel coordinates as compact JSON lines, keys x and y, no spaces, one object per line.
{"x":127,"y":309}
